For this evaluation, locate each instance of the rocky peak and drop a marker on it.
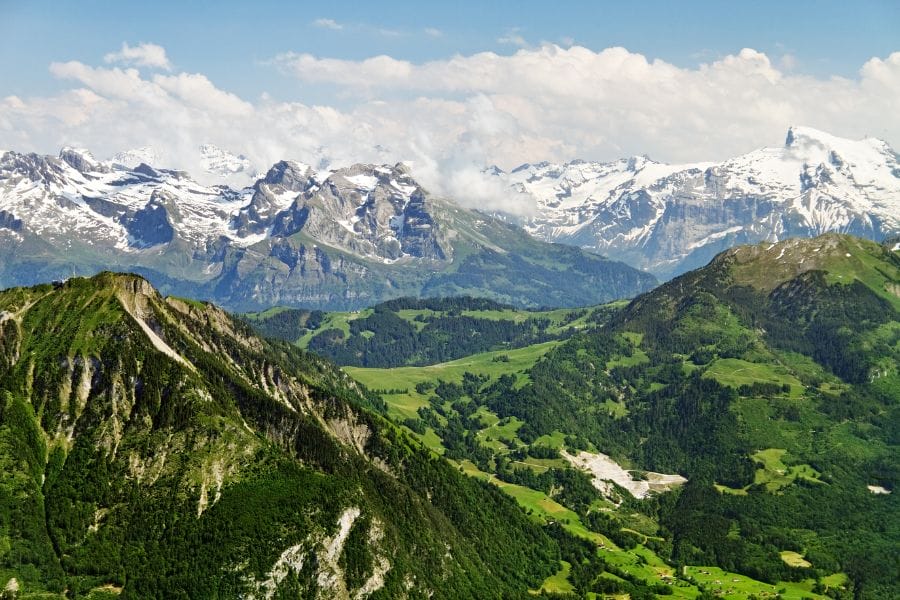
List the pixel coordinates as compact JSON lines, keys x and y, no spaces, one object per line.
{"x":81,"y":160}
{"x":670,"y":218}
{"x":289,"y":175}
{"x":145,"y":169}
{"x":35,"y":167}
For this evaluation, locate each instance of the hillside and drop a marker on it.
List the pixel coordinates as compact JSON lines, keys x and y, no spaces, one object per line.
{"x":326,"y":239}
{"x":153,"y":447}
{"x":670,"y":218}
{"x":746,"y":414}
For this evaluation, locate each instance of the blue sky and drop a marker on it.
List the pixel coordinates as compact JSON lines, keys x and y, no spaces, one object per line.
{"x":448,"y":87}
{"x":230,"y":42}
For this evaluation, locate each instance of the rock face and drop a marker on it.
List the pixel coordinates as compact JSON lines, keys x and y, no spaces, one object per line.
{"x":297,"y":236}
{"x":671,"y":218}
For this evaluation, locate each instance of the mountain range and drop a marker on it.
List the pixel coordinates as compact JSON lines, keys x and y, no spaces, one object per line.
{"x":668,"y":219}
{"x":351,"y":237}
{"x":298,"y":236}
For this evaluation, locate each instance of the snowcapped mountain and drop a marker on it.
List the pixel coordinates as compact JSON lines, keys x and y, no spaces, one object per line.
{"x":234,"y":168}
{"x":76,"y":200}
{"x":298,"y":236}
{"x":672,"y":218}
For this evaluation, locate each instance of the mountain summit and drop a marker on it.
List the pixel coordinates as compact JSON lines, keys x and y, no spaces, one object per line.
{"x":672,"y":218}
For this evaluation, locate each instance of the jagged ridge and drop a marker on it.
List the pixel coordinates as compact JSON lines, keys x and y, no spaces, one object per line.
{"x":330,"y":239}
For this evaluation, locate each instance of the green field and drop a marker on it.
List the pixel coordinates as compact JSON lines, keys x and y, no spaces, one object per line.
{"x":335,"y":320}
{"x":735,"y":372}
{"x":774,"y":474}
{"x":733,"y":586}
{"x":558,"y":583}
{"x":638,"y":357}
{"x":405,"y":405}
{"x":499,"y":431}
{"x":794,"y":559}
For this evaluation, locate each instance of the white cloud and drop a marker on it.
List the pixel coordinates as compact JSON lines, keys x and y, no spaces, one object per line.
{"x":198,"y":91}
{"x":512,"y":37}
{"x":142,"y":55}
{"x":449,"y":118}
{"x":605,"y":104}
{"x":328,"y":24}
{"x":433,"y":32}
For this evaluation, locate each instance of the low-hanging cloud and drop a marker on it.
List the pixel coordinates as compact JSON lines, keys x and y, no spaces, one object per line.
{"x":450,"y":118}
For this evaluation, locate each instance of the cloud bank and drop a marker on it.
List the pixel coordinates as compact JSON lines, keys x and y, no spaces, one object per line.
{"x":451,"y":117}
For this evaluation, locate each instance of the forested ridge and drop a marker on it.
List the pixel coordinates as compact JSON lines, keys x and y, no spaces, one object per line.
{"x":410,"y":331}
{"x":155,"y":448}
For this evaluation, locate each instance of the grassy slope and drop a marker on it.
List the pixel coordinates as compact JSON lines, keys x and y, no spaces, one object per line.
{"x":406,"y":404}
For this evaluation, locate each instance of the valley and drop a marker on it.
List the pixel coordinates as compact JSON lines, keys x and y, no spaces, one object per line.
{"x":741,"y":416}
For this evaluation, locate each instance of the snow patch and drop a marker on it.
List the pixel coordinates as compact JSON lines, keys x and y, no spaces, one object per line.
{"x":364,"y":182}
{"x":404,"y":189}
{"x":715,"y":236}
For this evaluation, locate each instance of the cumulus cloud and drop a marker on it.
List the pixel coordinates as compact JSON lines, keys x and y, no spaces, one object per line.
{"x":142,"y":55}
{"x":450,"y":118}
{"x":328,"y":24}
{"x":604,"y":104}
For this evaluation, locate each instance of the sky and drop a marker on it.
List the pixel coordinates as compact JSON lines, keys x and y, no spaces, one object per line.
{"x":448,"y":87}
